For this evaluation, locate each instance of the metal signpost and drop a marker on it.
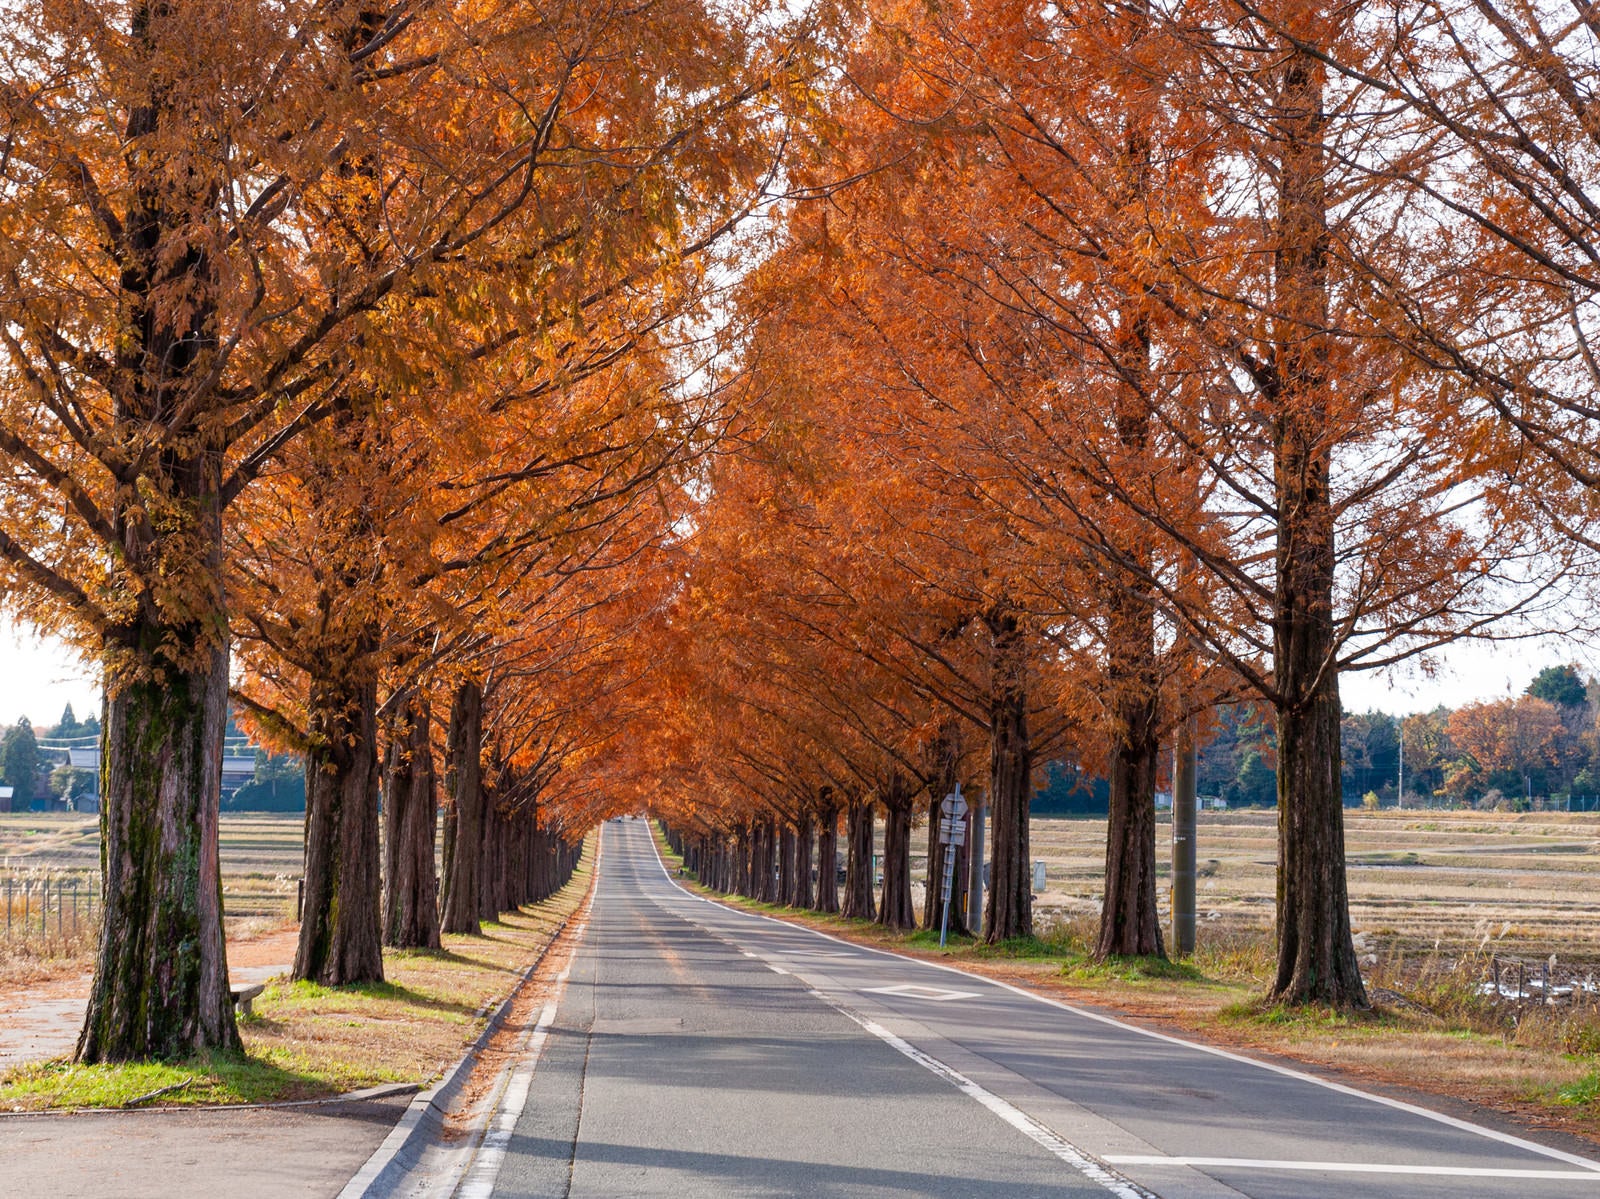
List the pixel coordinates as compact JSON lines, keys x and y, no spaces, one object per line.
{"x":952,"y":835}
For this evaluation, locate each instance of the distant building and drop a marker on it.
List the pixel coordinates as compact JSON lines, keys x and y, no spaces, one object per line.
{"x":5,"y":798}
{"x":236,"y":772}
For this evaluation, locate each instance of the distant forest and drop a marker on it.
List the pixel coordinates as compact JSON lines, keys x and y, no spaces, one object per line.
{"x":1542,"y":745}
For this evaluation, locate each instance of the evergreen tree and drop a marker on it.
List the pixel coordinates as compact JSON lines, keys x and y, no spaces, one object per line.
{"x":19,"y":762}
{"x":1560,"y":685}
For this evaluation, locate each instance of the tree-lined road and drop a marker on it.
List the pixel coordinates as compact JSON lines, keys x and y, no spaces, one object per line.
{"x":701,"y":1051}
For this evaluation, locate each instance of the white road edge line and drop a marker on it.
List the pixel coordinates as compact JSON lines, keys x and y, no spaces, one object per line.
{"x":1492,"y":1134}
{"x":1250,"y":1163}
{"x":480,"y":1177}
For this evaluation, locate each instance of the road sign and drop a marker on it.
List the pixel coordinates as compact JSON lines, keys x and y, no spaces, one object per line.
{"x":952,"y":832}
{"x":954,"y":805}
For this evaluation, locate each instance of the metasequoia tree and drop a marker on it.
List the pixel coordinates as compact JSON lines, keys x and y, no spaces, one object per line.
{"x":191,"y":265}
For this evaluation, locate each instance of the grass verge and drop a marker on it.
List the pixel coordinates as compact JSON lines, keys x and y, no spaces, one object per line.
{"x":1431,"y":1028}
{"x":306,"y":1041}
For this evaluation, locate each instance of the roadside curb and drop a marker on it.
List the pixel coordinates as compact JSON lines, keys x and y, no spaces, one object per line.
{"x":423,"y":1121}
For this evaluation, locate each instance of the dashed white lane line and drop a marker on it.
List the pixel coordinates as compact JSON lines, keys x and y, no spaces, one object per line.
{"x":1491,"y":1134}
{"x":1252,"y":1163}
{"x":1012,"y":1115}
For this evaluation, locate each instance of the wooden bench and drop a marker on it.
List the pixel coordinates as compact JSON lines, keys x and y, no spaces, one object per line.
{"x":243,"y":996}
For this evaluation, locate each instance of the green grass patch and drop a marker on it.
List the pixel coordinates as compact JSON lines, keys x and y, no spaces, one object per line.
{"x":1583,"y":1093}
{"x":1136,"y":970}
{"x":216,"y":1078}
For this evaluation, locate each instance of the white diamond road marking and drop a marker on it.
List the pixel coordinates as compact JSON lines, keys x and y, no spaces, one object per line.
{"x":821,"y":953}
{"x":913,"y":991}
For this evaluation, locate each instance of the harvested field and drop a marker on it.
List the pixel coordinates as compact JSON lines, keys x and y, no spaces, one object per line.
{"x":1515,"y":883}
{"x":261,"y":856}
{"x":1526,"y":883}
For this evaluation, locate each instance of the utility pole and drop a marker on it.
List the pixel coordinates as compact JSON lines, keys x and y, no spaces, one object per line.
{"x":1400,"y":740}
{"x":1184,"y":803}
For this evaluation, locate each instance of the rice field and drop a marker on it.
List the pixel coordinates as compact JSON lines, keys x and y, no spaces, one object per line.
{"x":261,"y":857}
{"x":1525,"y":883}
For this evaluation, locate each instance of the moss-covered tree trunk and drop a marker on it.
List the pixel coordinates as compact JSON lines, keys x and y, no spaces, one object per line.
{"x":340,"y":927}
{"x":896,"y":909}
{"x":160,"y":987}
{"x":411,"y":805}
{"x":466,"y":778}
{"x":1010,"y":911}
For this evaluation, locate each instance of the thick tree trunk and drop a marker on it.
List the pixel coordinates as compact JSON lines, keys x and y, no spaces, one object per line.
{"x":160,"y":987}
{"x":741,"y":861}
{"x":466,"y":775}
{"x":1316,"y":955}
{"x":411,"y":805}
{"x":1129,"y":923}
{"x":1010,"y":912}
{"x":827,"y":897}
{"x":491,"y":859}
{"x":801,"y":897}
{"x":858,"y":879}
{"x":340,"y":930}
{"x":896,"y":909}
{"x":786,"y":860}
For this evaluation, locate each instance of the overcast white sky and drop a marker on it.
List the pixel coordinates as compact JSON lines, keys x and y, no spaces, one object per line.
{"x":41,"y":677}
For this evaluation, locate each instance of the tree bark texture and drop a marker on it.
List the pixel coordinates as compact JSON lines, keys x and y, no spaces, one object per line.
{"x":857,"y":903}
{"x":804,"y":831}
{"x":1010,"y":912}
{"x":1129,"y":923}
{"x":160,"y":987}
{"x":411,"y":806}
{"x":896,"y":909}
{"x":788,"y":847}
{"x":466,"y":774}
{"x":340,"y":931}
{"x":827,"y":897}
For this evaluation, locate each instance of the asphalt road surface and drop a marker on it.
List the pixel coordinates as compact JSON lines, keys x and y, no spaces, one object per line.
{"x":699,"y":1051}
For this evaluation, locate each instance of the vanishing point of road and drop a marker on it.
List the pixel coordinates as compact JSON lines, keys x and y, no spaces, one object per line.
{"x":701,"y":1051}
